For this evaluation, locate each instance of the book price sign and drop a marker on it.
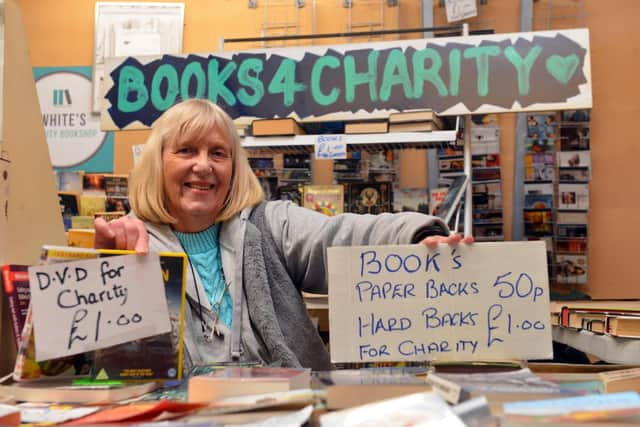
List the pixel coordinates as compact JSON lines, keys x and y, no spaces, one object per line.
{"x":329,"y":147}
{"x":86,"y":305}
{"x":485,"y":301}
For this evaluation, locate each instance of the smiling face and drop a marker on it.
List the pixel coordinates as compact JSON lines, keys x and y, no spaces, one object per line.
{"x":197,"y":177}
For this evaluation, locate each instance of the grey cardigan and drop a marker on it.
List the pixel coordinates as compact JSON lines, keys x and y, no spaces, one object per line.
{"x":275,"y":251}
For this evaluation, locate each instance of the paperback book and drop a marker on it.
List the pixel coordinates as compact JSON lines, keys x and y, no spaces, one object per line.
{"x":326,"y":199}
{"x":15,"y":282}
{"x":243,"y":381}
{"x":369,"y":197}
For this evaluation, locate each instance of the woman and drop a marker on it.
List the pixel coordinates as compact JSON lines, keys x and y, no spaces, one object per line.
{"x":193,"y":191}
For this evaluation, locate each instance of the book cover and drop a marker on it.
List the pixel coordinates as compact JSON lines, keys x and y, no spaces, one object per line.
{"x":574,"y":175}
{"x":453,"y":198}
{"x":69,"y":181}
{"x":411,"y":200}
{"x":154,"y":358}
{"x":116,"y":185}
{"x":92,"y":203}
{"x":242,"y":381}
{"x":93,"y":184}
{"x":571,"y":268}
{"x":80,"y":222}
{"x":573,"y":159}
{"x":82,"y":238}
{"x":326,"y":199}
{"x":371,"y":126}
{"x":575,"y":137}
{"x":539,"y":167}
{"x":117,"y":204}
{"x":15,"y":282}
{"x":369,"y":197}
{"x":286,"y":126}
{"x":69,"y":206}
{"x":573,"y":197}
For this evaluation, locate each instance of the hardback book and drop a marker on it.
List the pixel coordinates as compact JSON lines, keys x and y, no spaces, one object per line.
{"x":413,"y":127}
{"x":620,"y":380}
{"x":369,"y":197}
{"x":326,"y":199}
{"x":286,"y":126}
{"x":66,"y":391}
{"x":243,"y":381}
{"x":426,"y":115}
{"x":371,"y":126}
{"x":116,"y":185}
{"x":625,"y":326}
{"x":15,"y":282}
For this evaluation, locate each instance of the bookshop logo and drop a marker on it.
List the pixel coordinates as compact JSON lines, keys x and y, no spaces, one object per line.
{"x":61,"y":97}
{"x":73,"y":133}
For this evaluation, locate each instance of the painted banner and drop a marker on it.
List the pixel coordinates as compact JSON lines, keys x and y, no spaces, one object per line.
{"x":411,"y":302}
{"x":73,"y":132}
{"x":460,"y":75}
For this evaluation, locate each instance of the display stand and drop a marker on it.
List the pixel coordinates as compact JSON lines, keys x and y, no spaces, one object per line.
{"x":33,"y":211}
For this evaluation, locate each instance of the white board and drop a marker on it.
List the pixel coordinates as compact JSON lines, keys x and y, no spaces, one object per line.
{"x":485,"y":301}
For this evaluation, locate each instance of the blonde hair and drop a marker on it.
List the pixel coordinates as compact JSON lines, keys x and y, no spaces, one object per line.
{"x":189,"y":120}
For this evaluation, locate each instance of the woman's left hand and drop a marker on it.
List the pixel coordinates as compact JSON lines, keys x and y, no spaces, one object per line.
{"x":452,"y":239}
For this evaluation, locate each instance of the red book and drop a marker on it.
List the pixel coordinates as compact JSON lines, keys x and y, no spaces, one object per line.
{"x":15,"y":280}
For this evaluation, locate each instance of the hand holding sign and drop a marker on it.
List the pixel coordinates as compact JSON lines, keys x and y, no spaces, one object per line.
{"x":483,"y":301}
{"x":96,"y":303}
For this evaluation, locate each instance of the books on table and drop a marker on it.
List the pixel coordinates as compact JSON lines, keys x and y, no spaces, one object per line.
{"x":243,"y":381}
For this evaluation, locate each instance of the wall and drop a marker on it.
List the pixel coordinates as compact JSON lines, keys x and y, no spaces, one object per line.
{"x":61,"y":33}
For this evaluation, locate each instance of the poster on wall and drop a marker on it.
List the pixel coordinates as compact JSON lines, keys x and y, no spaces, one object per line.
{"x":536,"y":71}
{"x":73,"y":132}
{"x":131,"y":28}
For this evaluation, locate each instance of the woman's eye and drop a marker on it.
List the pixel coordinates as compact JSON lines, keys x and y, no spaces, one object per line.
{"x":219,"y":154}
{"x":183,"y":150}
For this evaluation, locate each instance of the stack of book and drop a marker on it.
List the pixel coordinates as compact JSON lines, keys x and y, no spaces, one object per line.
{"x":415,"y":121}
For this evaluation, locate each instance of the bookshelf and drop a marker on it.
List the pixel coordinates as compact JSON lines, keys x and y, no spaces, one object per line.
{"x":394,"y":140}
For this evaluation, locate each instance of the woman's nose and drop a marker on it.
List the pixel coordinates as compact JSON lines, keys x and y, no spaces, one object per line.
{"x":202,"y":163}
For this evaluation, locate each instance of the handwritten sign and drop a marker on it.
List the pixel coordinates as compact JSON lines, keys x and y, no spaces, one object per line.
{"x":86,"y":305}
{"x":536,"y":71}
{"x":486,"y":301}
{"x":329,"y":147}
{"x":458,"y":10}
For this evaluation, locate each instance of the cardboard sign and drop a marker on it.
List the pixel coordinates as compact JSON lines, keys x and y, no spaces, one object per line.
{"x":86,"y":305}
{"x":329,"y":147}
{"x":486,"y":301}
{"x":534,"y":71}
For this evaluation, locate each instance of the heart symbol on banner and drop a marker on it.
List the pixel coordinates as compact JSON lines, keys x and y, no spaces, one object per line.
{"x":562,"y":68}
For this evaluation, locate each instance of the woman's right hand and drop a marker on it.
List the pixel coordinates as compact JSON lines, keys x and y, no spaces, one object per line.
{"x":124,"y":233}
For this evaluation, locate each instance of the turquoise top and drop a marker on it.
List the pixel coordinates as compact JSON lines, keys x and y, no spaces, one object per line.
{"x":203,"y":251}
